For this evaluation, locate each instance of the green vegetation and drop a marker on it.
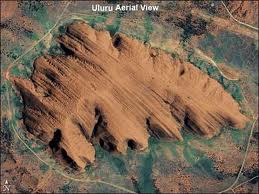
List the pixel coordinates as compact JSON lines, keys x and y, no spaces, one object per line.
{"x":39,"y":148}
{"x":27,"y":62}
{"x":7,"y":139}
{"x":66,"y":188}
{"x":205,"y":167}
{"x":148,"y":28}
{"x":4,"y":85}
{"x":230,"y":86}
{"x":115,"y":26}
{"x":93,"y":20}
{"x":145,"y":168}
{"x":6,"y":133}
{"x":229,"y":48}
{"x":15,"y":71}
{"x":144,"y":32}
{"x":31,"y":35}
{"x":104,"y":14}
{"x":145,"y":182}
{"x":171,"y":145}
{"x":200,"y":163}
{"x":18,"y":115}
{"x":122,"y":13}
{"x":191,"y":154}
{"x":15,"y":52}
{"x":62,"y":29}
{"x":238,"y":136}
{"x":116,"y":162}
{"x":17,"y":101}
{"x":175,"y":55}
{"x":55,"y":49}
{"x":44,"y":168}
{"x":89,"y":169}
{"x":20,"y":72}
{"x":234,"y":89}
{"x":37,"y":11}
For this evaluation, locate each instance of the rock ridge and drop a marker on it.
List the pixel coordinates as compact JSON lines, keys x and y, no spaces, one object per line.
{"x":118,"y":92}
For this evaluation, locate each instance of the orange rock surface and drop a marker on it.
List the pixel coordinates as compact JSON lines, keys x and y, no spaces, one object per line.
{"x":118,"y":91}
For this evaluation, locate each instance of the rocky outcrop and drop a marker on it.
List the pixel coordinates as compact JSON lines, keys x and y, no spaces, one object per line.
{"x":118,"y":91}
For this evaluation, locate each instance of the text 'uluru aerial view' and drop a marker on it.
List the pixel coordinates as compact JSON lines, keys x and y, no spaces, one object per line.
{"x":129,"y":97}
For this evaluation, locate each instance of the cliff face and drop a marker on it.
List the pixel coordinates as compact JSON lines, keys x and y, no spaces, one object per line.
{"x":118,"y":92}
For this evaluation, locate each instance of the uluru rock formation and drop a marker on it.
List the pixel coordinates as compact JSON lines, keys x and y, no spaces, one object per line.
{"x":118,"y":92}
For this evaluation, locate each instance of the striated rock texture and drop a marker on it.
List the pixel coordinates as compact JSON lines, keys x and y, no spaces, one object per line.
{"x":118,"y":92}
